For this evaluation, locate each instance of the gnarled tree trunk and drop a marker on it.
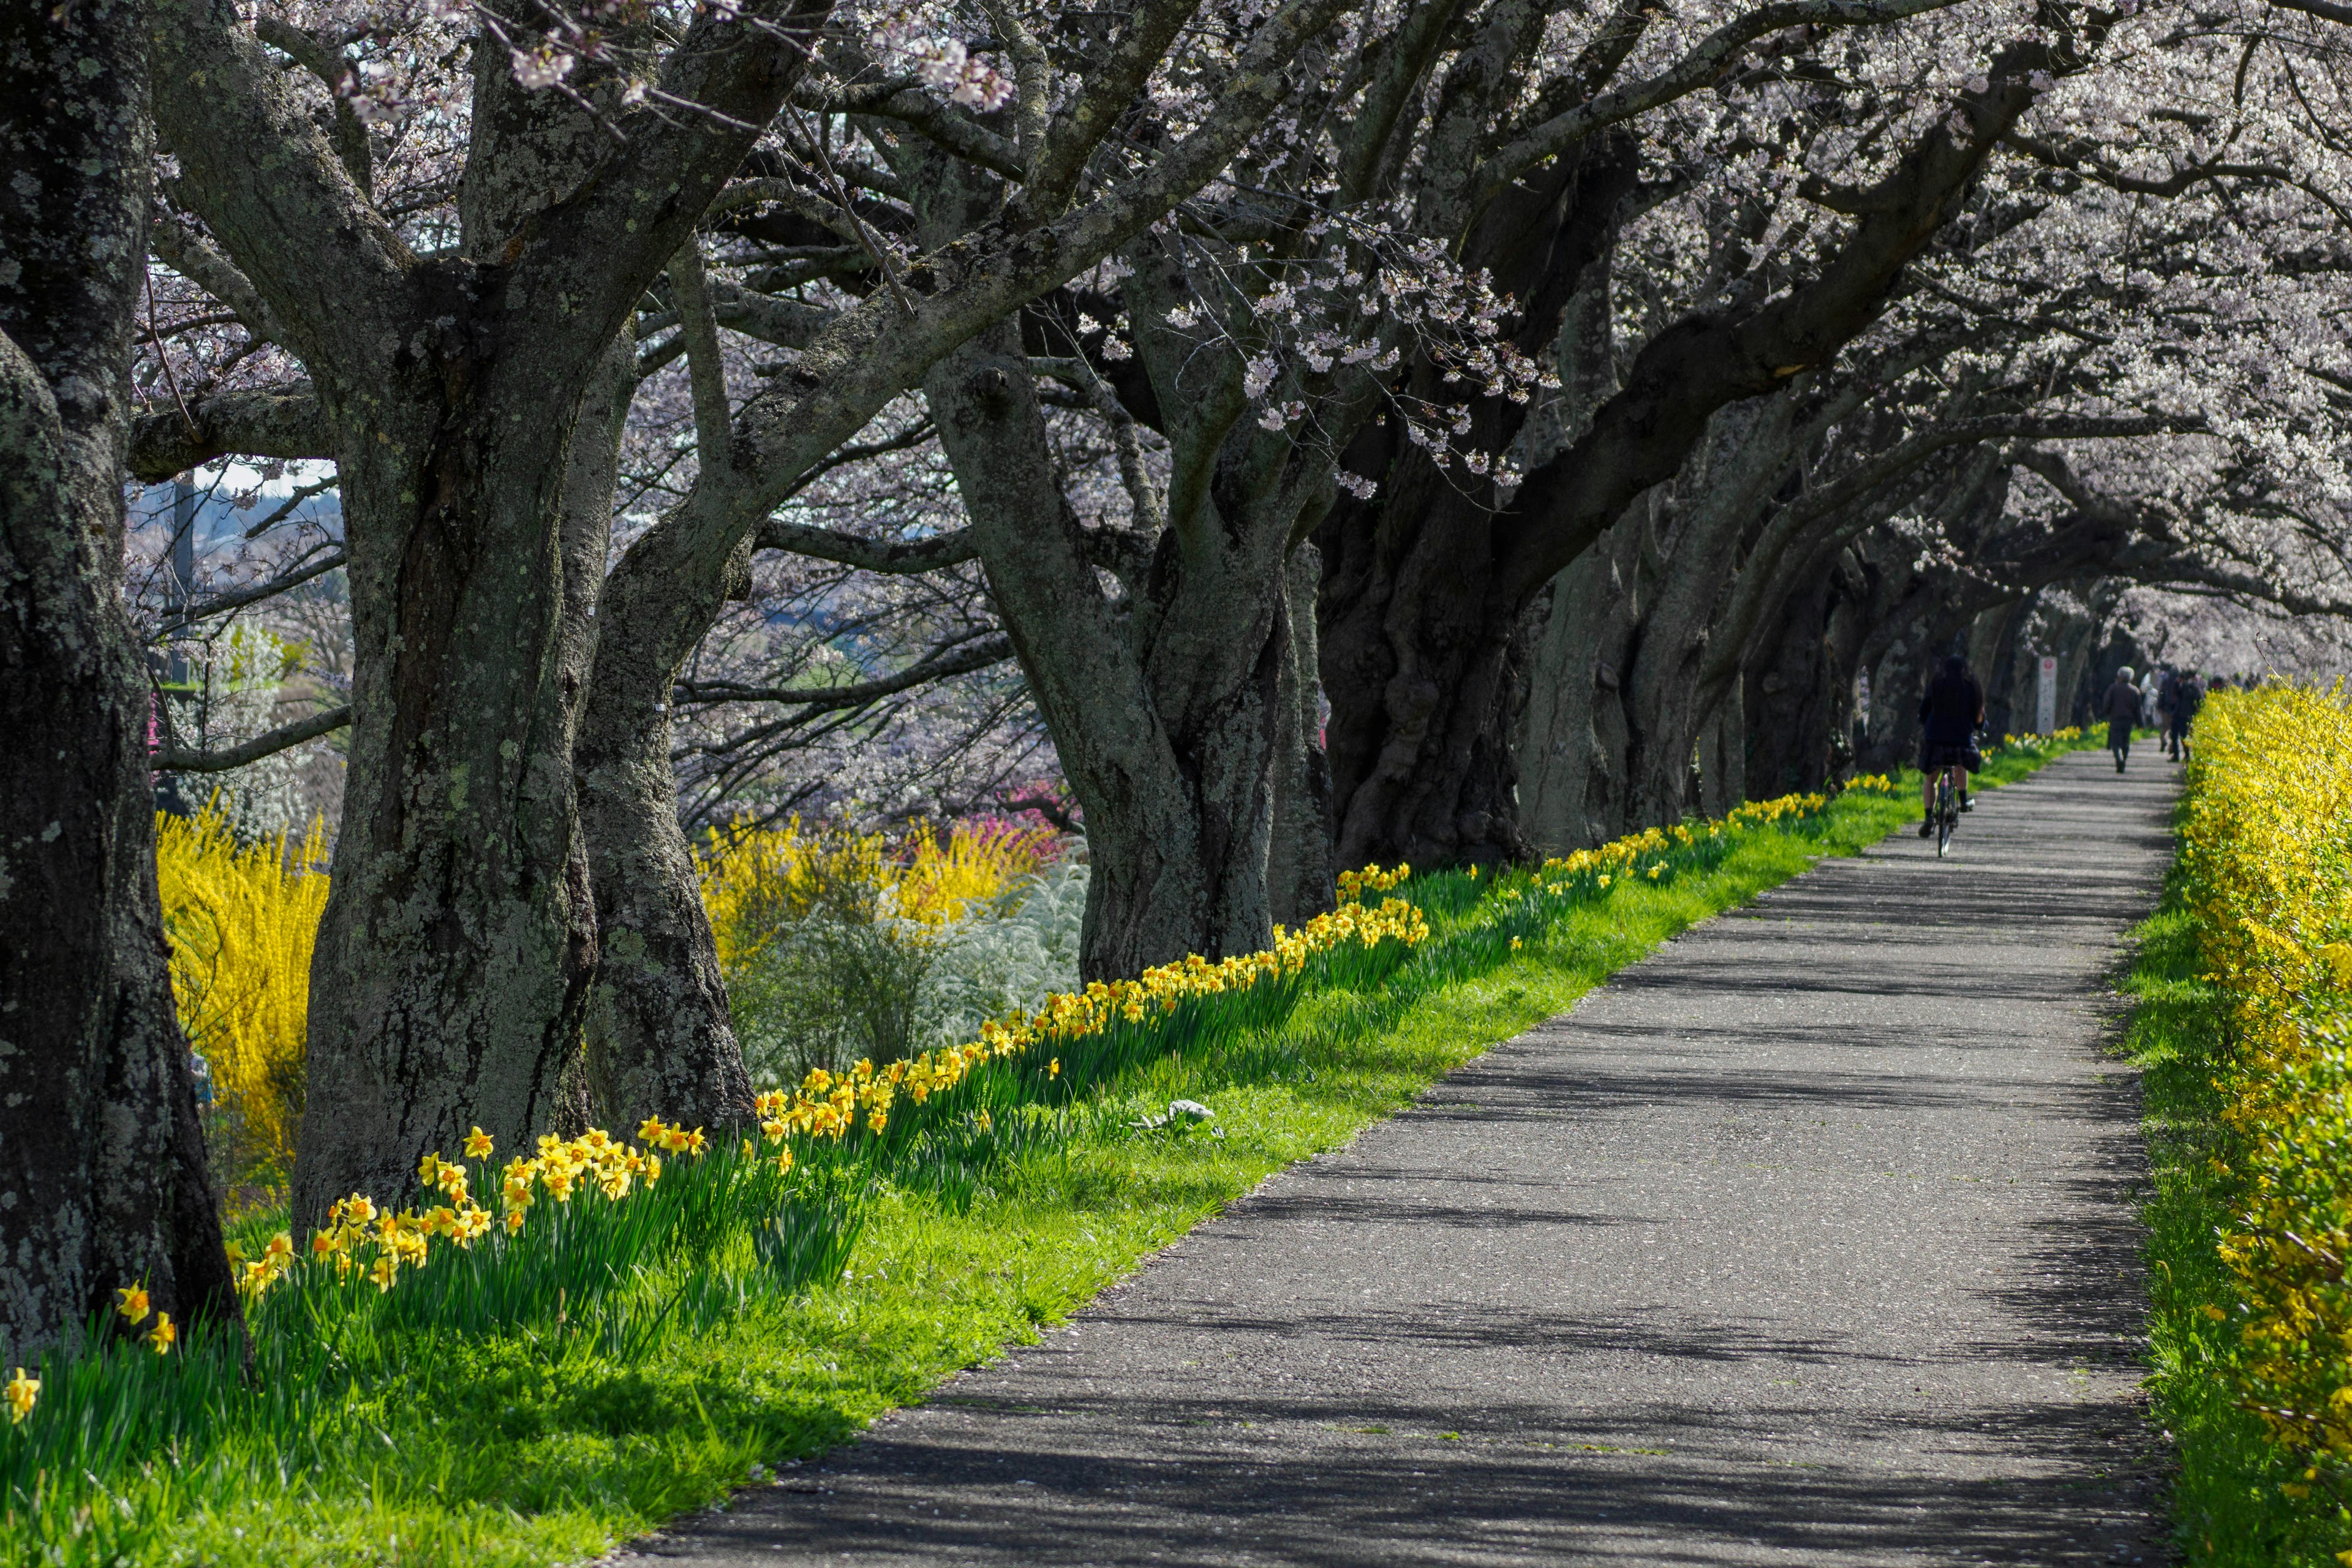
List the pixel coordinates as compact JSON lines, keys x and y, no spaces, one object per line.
{"x":1167,"y":720}
{"x":453,"y":964}
{"x":103,"y":1177}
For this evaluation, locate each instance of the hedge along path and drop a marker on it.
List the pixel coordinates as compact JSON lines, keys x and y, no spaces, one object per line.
{"x":1809,"y":1238}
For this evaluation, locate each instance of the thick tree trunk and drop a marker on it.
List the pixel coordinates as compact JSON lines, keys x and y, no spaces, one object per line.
{"x":1634,"y":628}
{"x":452,"y":966}
{"x":1425,"y":665}
{"x":455,"y":952}
{"x":1572,"y":741}
{"x":450,"y":977}
{"x":1300,"y":874}
{"x":1167,"y":719}
{"x":103,"y":1177}
{"x":1723,"y":755}
{"x":1788,"y":701}
{"x":660,"y":1041}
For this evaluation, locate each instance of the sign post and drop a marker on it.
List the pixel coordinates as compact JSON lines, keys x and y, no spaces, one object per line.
{"x":2046,"y":699}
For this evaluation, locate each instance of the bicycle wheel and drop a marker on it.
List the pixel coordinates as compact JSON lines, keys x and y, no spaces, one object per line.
{"x":1946,"y":817}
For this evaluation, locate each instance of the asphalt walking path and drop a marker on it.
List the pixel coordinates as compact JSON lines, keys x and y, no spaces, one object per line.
{"x":1810,"y":1239}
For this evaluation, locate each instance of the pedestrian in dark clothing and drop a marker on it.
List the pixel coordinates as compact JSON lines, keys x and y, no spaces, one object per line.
{"x":2167,"y":701}
{"x":2123,"y":713}
{"x":2186,"y":700}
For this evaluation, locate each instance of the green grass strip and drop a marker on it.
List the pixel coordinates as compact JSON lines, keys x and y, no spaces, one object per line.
{"x":2238,"y":1500}
{"x":491,"y":1451}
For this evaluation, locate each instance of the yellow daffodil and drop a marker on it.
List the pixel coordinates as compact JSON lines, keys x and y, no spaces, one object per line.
{"x":133,"y":1304}
{"x":163,"y":1335}
{"x":23,"y":1392}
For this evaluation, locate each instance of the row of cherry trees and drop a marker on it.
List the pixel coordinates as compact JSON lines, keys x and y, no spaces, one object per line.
{"x":1406,"y":431}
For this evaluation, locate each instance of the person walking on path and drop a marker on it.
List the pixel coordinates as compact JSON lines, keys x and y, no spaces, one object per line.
{"x":2188,"y":696}
{"x":1949,"y":716}
{"x":2123,"y":713}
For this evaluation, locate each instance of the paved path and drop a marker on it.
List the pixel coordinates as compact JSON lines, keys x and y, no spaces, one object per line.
{"x":1808,"y":1240}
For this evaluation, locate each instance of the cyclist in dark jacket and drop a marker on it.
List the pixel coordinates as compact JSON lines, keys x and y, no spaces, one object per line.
{"x":1948,"y":717}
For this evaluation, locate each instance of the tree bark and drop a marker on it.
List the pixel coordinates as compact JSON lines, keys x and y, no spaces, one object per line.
{"x":453,"y":964}
{"x":1167,"y":718}
{"x":103,"y":1176}
{"x":1301,"y":877}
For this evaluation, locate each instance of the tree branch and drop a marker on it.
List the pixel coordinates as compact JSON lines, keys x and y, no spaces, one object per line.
{"x":900,"y":560}
{"x":198,"y":260}
{"x":171,"y":760}
{"x":920,"y":112}
{"x":222,"y":603}
{"x":933,"y":666}
{"x":1105,"y":89}
{"x":1713,"y":56}
{"x":280,"y":422}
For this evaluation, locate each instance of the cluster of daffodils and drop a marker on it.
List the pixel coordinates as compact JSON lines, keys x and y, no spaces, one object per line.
{"x":255,"y":1276}
{"x":2267,"y":849}
{"x":378,"y":1242}
{"x":1354,"y":885}
{"x":829,"y":1105}
{"x":2066,"y":736}
{"x":137,"y":1310}
{"x":1647,"y":853}
{"x":159,"y":1332}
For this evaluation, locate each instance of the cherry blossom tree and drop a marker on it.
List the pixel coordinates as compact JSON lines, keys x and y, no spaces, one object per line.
{"x":103,"y":1176}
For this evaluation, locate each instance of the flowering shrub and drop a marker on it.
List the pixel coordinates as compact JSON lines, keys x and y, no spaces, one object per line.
{"x":2267,"y":847}
{"x":829,"y":941}
{"x":757,"y":880}
{"x":241,"y":922}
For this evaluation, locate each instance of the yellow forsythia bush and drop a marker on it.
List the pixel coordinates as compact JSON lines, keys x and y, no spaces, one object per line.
{"x":753,"y":878}
{"x":242,"y":923}
{"x":2267,"y":850}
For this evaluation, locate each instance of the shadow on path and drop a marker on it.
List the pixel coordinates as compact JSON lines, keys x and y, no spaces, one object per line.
{"x":1811,"y":1239}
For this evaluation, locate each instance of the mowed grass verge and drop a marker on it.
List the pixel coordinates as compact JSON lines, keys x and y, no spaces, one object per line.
{"x":512,"y":1451}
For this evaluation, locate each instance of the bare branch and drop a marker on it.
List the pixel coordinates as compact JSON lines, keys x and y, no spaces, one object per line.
{"x":935,"y":666}
{"x":222,"y":603}
{"x":173,"y":760}
{"x":899,"y":560}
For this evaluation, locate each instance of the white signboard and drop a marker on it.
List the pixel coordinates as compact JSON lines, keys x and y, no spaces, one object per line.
{"x":2046,"y":699}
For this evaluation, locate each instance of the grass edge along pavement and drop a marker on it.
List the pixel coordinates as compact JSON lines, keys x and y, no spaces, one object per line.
{"x":2238,"y":984}
{"x":470,"y":1415}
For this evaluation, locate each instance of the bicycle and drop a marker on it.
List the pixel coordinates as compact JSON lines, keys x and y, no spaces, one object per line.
{"x":1947,"y":808}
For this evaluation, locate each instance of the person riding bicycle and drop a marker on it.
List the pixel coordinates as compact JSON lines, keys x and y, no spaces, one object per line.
{"x":1948,"y":717}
